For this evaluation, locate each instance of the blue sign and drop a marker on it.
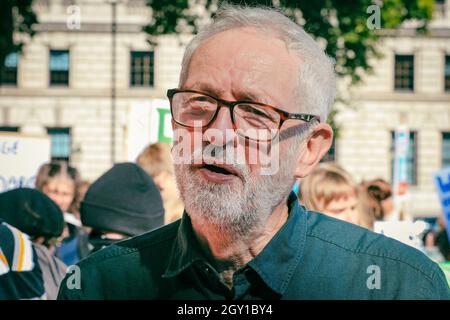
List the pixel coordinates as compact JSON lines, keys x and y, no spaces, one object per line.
{"x":442,"y":180}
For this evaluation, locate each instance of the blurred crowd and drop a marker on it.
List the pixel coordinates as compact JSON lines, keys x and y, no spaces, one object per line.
{"x":65,"y":219}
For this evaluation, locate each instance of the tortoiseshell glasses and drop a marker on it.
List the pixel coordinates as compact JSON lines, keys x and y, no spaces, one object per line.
{"x":252,"y":120}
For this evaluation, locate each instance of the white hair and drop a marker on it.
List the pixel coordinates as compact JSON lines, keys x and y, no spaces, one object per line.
{"x":316,"y":80}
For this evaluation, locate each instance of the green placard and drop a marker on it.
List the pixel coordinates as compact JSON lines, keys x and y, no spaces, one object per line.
{"x":162,"y":115}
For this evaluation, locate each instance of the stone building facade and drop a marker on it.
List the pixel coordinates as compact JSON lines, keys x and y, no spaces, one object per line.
{"x":82,"y":107}
{"x":380,"y":106}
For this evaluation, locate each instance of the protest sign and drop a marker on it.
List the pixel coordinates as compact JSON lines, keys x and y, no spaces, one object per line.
{"x":442,"y":182}
{"x":20,"y":158}
{"x":148,"y":122}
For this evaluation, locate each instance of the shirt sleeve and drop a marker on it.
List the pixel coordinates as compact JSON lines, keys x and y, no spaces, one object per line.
{"x":20,"y":274}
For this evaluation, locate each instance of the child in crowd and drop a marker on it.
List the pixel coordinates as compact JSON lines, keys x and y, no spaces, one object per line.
{"x":331,"y":190}
{"x":156,"y":160}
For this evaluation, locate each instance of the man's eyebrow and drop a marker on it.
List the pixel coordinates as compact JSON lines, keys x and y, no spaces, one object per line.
{"x":206,"y":88}
{"x":249,"y":96}
{"x":241,"y":95}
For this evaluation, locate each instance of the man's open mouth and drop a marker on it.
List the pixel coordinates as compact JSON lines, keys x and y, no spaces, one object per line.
{"x":217,"y":169}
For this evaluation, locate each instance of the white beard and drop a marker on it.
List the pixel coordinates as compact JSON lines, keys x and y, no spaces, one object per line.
{"x":243,"y":206}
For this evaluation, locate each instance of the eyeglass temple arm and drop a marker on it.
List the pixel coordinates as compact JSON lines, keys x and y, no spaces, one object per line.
{"x":302,"y":116}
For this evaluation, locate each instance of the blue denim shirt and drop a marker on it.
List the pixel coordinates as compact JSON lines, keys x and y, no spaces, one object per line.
{"x":311,"y":257}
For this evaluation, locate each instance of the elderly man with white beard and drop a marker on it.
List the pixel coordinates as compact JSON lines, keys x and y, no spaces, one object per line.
{"x":254,"y":86}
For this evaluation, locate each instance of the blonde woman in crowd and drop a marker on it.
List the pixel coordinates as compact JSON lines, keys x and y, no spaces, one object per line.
{"x":331,"y":190}
{"x":61,"y":183}
{"x":156,"y":160}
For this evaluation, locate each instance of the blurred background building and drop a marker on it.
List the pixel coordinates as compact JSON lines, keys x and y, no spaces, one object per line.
{"x":69,"y":82}
{"x":410,"y":87}
{"x":62,"y":82}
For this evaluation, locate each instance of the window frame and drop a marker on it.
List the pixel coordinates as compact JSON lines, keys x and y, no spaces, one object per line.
{"x":446,"y":76}
{"x":410,"y":77}
{"x":51,"y":73}
{"x":12,"y":129}
{"x":133,"y":83}
{"x":14,"y":70}
{"x":52,"y":131}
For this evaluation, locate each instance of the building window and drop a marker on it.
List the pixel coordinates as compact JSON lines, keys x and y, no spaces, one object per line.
{"x":8,"y":74}
{"x":445,"y":149}
{"x":61,"y":143}
{"x":447,"y":73}
{"x":9,"y":129}
{"x":411,"y":158}
{"x":404,"y":73}
{"x":59,"y":67}
{"x":142,"y":69}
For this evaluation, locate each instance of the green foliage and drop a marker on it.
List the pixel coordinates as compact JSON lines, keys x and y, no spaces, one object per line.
{"x":16,"y":17}
{"x":341,"y":24}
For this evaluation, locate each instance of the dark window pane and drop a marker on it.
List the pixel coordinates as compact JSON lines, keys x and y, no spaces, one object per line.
{"x":411,"y":157}
{"x":59,"y":67}
{"x":404,"y":73}
{"x":8,"y":75}
{"x":9,"y":129}
{"x":445,"y":149}
{"x":447,"y":73}
{"x":60,"y":143}
{"x":142,"y":69}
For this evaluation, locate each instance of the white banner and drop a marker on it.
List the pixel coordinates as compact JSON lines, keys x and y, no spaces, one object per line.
{"x":20,"y":159}
{"x":148,"y":122}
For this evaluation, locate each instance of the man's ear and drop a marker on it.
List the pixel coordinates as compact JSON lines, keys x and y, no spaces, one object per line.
{"x":317,"y":145}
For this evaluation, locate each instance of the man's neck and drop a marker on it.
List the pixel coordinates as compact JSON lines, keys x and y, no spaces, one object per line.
{"x":229,"y":251}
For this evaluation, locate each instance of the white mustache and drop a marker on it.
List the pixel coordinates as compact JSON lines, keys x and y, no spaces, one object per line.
{"x":218,"y":154}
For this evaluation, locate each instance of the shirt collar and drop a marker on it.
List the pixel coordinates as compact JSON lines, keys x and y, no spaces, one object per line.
{"x":186,"y":249}
{"x":279,"y":259}
{"x":275,"y":264}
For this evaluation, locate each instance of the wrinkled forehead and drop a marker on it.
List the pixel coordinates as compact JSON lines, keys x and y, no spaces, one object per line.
{"x":245,"y":59}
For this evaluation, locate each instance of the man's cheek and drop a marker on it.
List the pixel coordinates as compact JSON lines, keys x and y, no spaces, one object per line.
{"x":269,"y":153}
{"x":182,"y":146}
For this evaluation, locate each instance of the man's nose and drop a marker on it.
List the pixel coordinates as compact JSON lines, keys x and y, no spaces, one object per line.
{"x":221,"y":130}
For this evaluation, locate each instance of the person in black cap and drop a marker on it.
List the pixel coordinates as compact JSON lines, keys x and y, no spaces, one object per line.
{"x":36,"y":215}
{"x":122,"y":203}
